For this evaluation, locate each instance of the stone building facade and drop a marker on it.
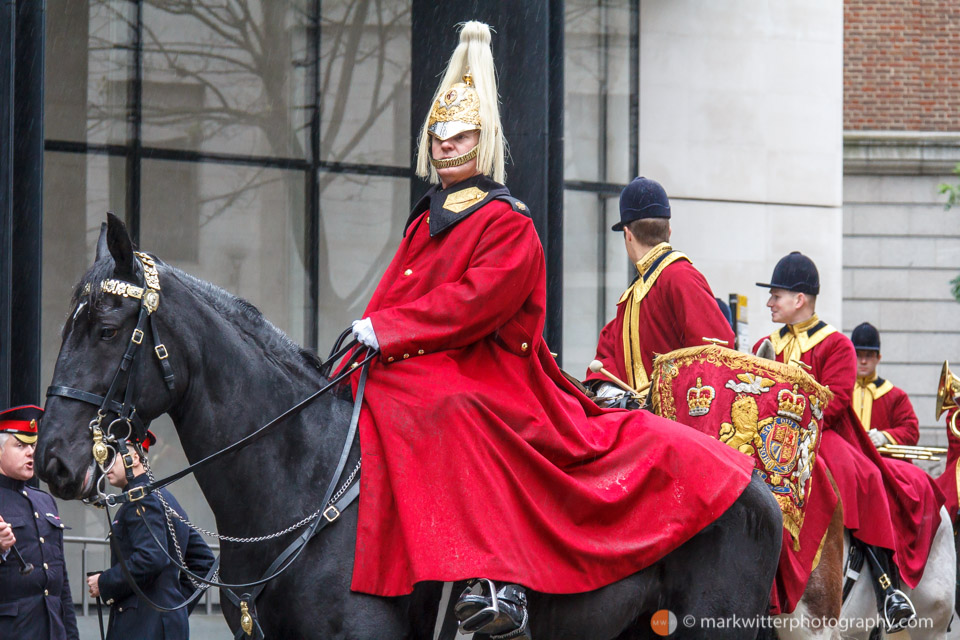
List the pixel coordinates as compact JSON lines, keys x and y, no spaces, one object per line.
{"x":901,"y":122}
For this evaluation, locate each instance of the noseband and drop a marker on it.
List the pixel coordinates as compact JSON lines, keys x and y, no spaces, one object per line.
{"x":106,"y":439}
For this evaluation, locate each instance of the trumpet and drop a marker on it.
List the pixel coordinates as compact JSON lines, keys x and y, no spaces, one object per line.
{"x":910,"y":452}
{"x":948,"y":394}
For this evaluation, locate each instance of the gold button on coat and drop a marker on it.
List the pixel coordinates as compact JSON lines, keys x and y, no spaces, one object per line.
{"x":45,"y":567}
{"x":46,"y":592}
{"x":391,"y":359}
{"x":421,"y":352}
{"x":406,"y":355}
{"x":41,"y":539}
{"x":524,"y":346}
{"x":408,"y":272}
{"x":36,"y":515}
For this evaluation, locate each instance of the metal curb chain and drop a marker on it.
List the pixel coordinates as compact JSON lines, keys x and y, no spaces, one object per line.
{"x":271,"y":536}
{"x":173,"y":534}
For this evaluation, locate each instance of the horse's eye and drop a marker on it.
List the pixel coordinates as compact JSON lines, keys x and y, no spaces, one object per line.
{"x":108,"y":333}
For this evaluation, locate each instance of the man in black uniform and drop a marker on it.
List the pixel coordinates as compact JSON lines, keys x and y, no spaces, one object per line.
{"x":135,"y":527}
{"x":37,"y":604}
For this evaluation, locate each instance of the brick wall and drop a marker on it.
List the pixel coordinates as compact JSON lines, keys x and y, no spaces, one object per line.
{"x":901,"y":65}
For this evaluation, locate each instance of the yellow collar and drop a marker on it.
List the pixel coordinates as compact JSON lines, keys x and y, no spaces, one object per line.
{"x":803,"y":327}
{"x":651,"y":256}
{"x":794,"y":340}
{"x":866,"y":391}
{"x":863,"y":382}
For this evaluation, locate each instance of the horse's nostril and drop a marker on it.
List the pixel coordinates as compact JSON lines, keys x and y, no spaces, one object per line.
{"x":51,"y":469}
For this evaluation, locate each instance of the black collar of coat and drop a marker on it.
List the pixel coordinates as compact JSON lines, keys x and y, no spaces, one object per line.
{"x":785,"y":329}
{"x":6,"y":482}
{"x":442,"y":219}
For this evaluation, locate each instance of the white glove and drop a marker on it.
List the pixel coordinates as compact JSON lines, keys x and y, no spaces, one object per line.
{"x":607,"y":390}
{"x":363,"y":332}
{"x":877,"y":438}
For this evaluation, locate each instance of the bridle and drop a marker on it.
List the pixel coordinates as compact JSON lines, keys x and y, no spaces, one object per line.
{"x":105,"y":440}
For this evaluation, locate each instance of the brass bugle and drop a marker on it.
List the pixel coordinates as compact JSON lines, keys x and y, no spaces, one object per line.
{"x":948,"y":391}
{"x":915,"y":448}
{"x":910,"y":456}
{"x":910,"y":452}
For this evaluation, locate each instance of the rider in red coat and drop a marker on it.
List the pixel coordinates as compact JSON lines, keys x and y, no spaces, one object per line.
{"x":479,"y":458}
{"x":668,"y":306}
{"x":890,"y":506}
{"x":883,"y":409}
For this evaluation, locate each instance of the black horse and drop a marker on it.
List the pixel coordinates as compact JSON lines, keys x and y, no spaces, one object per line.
{"x":234,"y":371}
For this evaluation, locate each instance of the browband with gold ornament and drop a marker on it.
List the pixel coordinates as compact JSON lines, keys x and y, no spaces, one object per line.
{"x":150,"y":296}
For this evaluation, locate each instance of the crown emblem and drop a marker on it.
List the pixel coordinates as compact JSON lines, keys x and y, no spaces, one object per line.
{"x":792,"y":404}
{"x":699,"y":398}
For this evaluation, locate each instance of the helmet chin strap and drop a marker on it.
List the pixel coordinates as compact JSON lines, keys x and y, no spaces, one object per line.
{"x":446,"y":163}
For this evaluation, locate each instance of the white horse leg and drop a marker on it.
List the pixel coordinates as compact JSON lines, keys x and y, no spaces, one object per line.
{"x":934,"y":595}
{"x":933,"y":598}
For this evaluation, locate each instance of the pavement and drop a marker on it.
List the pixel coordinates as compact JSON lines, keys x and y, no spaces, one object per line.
{"x":202,"y":626}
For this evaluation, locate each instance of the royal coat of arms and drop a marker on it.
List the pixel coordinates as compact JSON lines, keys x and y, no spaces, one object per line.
{"x":765,"y":409}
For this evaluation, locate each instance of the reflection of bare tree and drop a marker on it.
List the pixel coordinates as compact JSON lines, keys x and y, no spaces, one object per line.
{"x":252,"y":61}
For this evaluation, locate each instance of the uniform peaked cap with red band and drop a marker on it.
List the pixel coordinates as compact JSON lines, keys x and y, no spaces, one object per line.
{"x":21,"y":422}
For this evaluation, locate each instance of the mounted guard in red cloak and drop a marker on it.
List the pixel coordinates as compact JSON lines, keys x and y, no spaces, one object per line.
{"x":479,"y":458}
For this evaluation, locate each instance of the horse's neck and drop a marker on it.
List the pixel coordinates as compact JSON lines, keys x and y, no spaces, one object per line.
{"x":235,"y":386}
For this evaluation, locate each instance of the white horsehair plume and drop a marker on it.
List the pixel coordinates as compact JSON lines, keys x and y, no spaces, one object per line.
{"x":474,"y":56}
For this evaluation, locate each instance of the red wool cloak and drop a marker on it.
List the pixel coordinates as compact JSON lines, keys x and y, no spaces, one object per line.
{"x":480,"y":459}
{"x":907,"y":520}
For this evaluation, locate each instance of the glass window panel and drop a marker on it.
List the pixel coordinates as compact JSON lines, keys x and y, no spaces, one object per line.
{"x":361,"y":225}
{"x":88,"y":65}
{"x":596,"y":118}
{"x":365,"y":82}
{"x":582,"y":266}
{"x":595,"y":274}
{"x":239,"y":227}
{"x":77,"y":193}
{"x":226,"y":77}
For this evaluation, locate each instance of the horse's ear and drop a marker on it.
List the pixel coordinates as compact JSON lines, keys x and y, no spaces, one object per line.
{"x":120,"y":247}
{"x":102,"y":249}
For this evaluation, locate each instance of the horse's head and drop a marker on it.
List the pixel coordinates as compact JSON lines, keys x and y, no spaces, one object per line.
{"x":97,"y":335}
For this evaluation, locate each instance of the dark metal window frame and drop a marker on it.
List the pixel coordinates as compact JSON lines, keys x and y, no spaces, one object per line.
{"x":135,"y":152}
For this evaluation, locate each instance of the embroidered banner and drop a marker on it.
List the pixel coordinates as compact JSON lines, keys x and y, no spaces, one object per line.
{"x":764,"y":409}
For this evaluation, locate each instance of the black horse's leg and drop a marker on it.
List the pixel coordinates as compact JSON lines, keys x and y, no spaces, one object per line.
{"x":718,"y":583}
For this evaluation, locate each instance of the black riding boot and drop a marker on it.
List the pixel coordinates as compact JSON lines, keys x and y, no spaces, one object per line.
{"x":500,"y":614}
{"x":892,"y":603}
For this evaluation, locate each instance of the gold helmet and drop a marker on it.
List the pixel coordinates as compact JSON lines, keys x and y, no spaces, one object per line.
{"x":466,"y":100}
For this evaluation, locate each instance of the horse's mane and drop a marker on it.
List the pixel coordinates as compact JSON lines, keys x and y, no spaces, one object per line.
{"x":240,"y":312}
{"x":246,"y":316}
